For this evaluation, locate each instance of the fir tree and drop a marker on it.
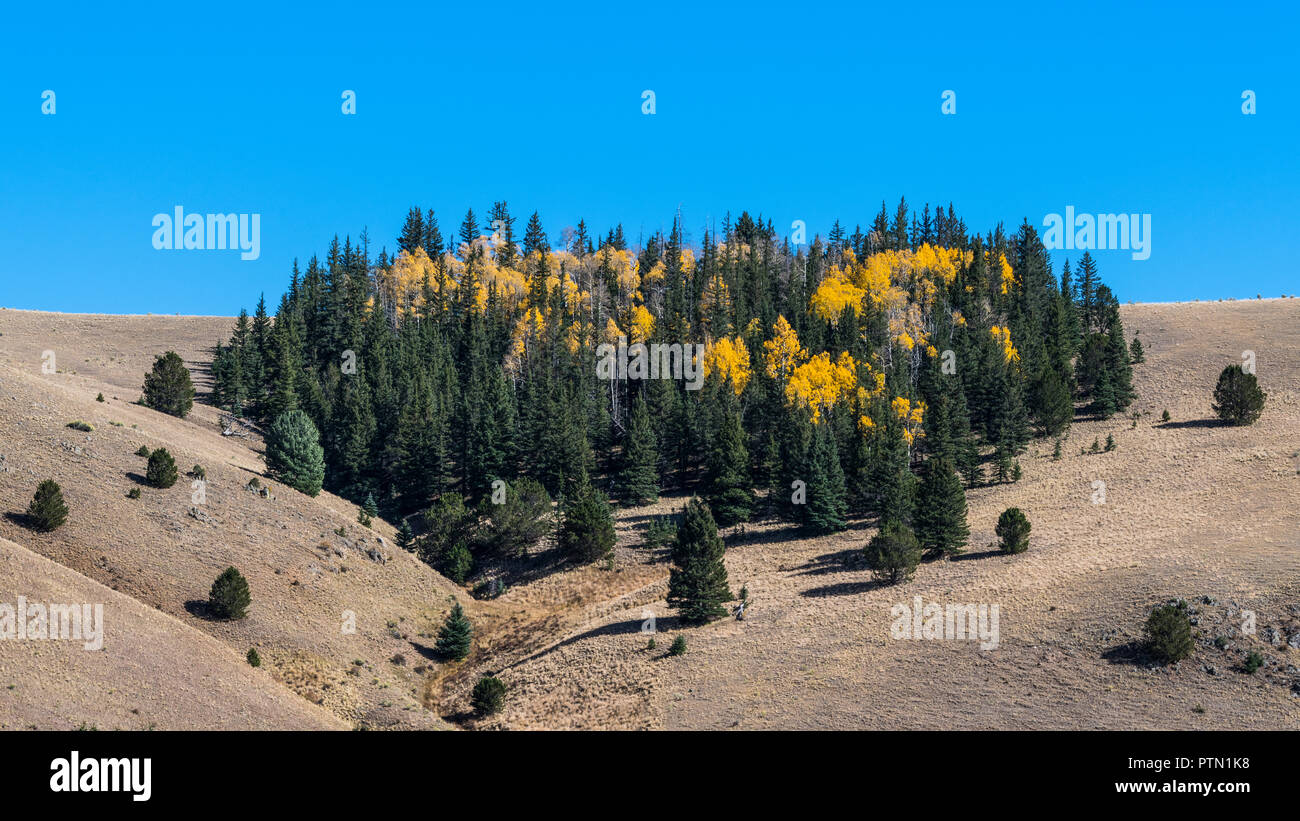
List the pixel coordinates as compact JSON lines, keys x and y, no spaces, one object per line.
{"x":1013,"y":531}
{"x":697,"y":583}
{"x":167,"y":387}
{"x":455,"y":636}
{"x":47,"y":510}
{"x":587,"y":531}
{"x":727,"y":485}
{"x":1137,"y":352}
{"x":638,"y":480}
{"x":826,"y":507}
{"x":893,"y":554}
{"x":293,"y":453}
{"x":941,"y":510}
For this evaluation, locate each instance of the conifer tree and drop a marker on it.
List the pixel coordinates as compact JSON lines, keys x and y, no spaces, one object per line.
{"x":826,"y":507}
{"x":940,"y":519}
{"x":893,"y":554}
{"x":167,"y":387}
{"x":47,"y":510}
{"x":587,"y":531}
{"x":1237,"y":397}
{"x":455,"y":636}
{"x":638,"y":480}
{"x":697,"y":583}
{"x":229,"y":597}
{"x":293,"y":453}
{"x":161,"y":471}
{"x":727,"y":484}
{"x":1054,"y":408}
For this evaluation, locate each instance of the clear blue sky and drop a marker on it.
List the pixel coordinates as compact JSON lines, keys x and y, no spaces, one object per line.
{"x":797,"y":111}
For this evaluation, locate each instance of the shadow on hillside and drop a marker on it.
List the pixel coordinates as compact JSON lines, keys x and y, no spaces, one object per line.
{"x":982,"y":554}
{"x":630,"y":627}
{"x":21,"y":519}
{"x":426,"y":651}
{"x":199,"y":609}
{"x":1132,"y":653}
{"x":842,"y":589}
{"x":1196,"y":423}
{"x":837,"y":562}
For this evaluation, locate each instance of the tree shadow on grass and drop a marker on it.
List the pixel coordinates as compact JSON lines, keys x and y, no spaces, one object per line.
{"x":22,"y":520}
{"x":981,"y":554}
{"x":200,"y":609}
{"x":843,"y":589}
{"x":630,"y":627}
{"x":1196,"y":423}
{"x":836,"y":562}
{"x":1132,"y":653}
{"x":137,"y":478}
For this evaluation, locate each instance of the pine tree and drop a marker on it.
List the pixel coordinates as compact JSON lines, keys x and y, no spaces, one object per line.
{"x":519,"y":521}
{"x":1055,"y":409}
{"x":293,"y":453}
{"x":1013,"y":531}
{"x":47,"y":510}
{"x":167,"y":387}
{"x":727,"y":485}
{"x":229,"y":597}
{"x":826,"y":507}
{"x":1137,"y":352}
{"x":697,"y":583}
{"x":455,"y":636}
{"x":161,"y":472}
{"x":638,"y":480}
{"x":405,"y":537}
{"x":587,"y":531}
{"x":1237,"y":397}
{"x":941,"y":510}
{"x":893,"y":554}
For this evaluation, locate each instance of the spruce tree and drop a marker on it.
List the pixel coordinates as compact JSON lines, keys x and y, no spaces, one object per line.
{"x":726,"y":482}
{"x":161,"y":472}
{"x":1137,"y":352}
{"x":167,"y":387}
{"x":1055,"y":409}
{"x":638,"y":480}
{"x":47,"y":509}
{"x":587,"y":531}
{"x":229,"y":597}
{"x":697,"y":582}
{"x":940,"y":519}
{"x":293,"y":453}
{"x":826,"y":506}
{"x":455,"y":636}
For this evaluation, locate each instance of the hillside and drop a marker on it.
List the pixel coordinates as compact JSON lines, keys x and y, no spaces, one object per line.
{"x":1192,"y":510}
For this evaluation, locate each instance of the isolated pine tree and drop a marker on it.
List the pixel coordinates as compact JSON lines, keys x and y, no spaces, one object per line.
{"x":587,"y":532}
{"x":489,"y":696}
{"x":697,"y":583}
{"x":826,"y":506}
{"x":167,"y":387}
{"x":229,"y":597}
{"x":893,"y":554}
{"x":1137,"y":352}
{"x":940,"y":519}
{"x":455,"y":636}
{"x":1013,"y":531}
{"x":293,"y":453}
{"x":161,"y":471}
{"x":1237,"y":397}
{"x":47,"y":510}
{"x":638,"y":480}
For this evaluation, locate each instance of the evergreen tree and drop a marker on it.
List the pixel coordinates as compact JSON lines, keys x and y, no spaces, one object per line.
{"x":229,"y":597}
{"x":455,"y":636}
{"x":697,"y":583}
{"x":1013,"y":531}
{"x":520,"y":520}
{"x":167,"y":387}
{"x":405,"y":537}
{"x":941,"y":510}
{"x":1055,"y":409}
{"x":1136,"y":351}
{"x":638,"y":480}
{"x":293,"y":453}
{"x":893,"y":554}
{"x":1237,"y":397}
{"x":47,"y":510}
{"x":727,"y":484}
{"x":161,"y":472}
{"x":826,"y":507}
{"x":587,"y":531}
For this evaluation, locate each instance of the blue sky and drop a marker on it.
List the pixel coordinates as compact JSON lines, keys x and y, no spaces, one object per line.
{"x":807,"y":112}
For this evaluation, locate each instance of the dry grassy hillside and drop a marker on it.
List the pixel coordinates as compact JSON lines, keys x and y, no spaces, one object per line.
{"x":1191,"y":509}
{"x":135,"y":681}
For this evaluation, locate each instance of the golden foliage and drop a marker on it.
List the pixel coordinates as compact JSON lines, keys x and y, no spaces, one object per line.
{"x":782,"y":353}
{"x":820,"y":382}
{"x":729,"y":358}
